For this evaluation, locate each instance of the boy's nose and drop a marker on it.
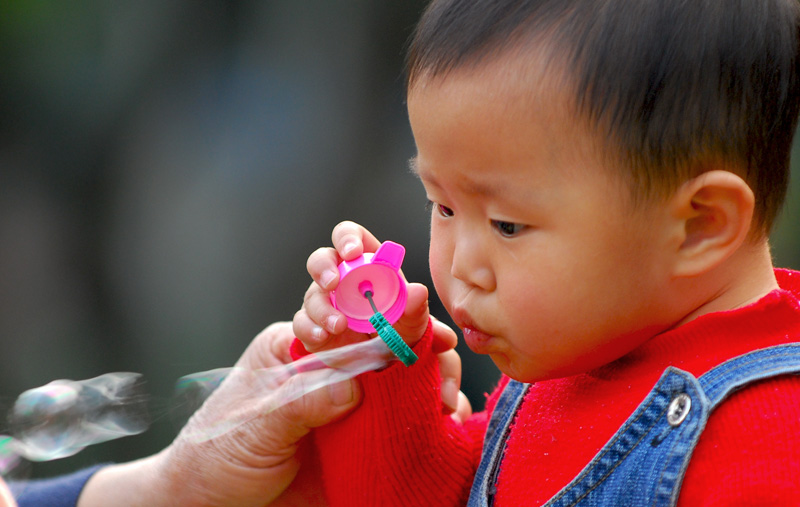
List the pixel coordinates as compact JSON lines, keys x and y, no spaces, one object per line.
{"x":470,"y":263}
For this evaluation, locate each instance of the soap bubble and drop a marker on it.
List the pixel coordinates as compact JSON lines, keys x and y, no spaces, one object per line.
{"x":246,"y":394}
{"x":10,"y":460}
{"x":65,"y":416}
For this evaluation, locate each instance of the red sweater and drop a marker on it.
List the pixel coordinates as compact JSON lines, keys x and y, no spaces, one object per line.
{"x":397,"y":448}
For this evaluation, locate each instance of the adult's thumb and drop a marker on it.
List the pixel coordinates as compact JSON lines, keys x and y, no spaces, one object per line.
{"x":292,"y":421}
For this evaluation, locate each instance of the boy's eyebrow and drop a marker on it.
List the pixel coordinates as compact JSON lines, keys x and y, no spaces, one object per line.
{"x":470,"y":186}
{"x":413,"y":166}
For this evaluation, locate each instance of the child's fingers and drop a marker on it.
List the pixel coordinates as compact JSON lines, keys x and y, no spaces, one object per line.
{"x":352,"y":240}
{"x":444,"y":338}
{"x":318,"y":305}
{"x":319,"y":325}
{"x":464,"y":409}
{"x":309,"y":332}
{"x":315,"y":337}
{"x":450,"y":372}
{"x":349,"y":240}
{"x":414,"y":321}
{"x":322,"y":265}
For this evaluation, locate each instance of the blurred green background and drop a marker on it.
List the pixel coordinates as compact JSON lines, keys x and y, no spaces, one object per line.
{"x":167,"y":166}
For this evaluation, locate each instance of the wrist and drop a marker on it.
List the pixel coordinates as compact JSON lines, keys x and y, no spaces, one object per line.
{"x":132,"y":484}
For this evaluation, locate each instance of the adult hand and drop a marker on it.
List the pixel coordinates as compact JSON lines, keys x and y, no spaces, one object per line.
{"x":257,"y":463}
{"x":253,"y":464}
{"x":6,"y":499}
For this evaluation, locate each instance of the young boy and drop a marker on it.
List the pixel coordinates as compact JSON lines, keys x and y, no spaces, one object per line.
{"x":603,"y":178}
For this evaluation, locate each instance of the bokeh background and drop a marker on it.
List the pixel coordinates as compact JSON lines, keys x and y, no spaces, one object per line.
{"x":166,"y":167}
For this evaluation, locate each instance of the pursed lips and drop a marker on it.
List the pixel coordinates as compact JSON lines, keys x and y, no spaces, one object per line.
{"x":474,"y":336}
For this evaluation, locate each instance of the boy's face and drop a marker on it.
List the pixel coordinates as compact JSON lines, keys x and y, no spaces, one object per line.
{"x":534,"y":250}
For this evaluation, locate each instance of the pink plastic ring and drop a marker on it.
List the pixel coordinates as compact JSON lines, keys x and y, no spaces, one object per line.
{"x":378,"y":273}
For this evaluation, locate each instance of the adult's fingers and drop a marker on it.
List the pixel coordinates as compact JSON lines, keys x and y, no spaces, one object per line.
{"x":291,"y":422}
{"x":255,"y":462}
{"x":6,"y":499}
{"x":269,"y":348}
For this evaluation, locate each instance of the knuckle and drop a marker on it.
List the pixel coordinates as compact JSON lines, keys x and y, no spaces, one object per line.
{"x":299,"y":319}
{"x":343,"y":226}
{"x":317,"y":257}
{"x":309,"y":292}
{"x":278,"y":329}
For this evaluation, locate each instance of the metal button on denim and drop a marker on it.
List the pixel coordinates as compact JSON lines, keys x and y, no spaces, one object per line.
{"x":678,"y":409}
{"x":627,"y":459}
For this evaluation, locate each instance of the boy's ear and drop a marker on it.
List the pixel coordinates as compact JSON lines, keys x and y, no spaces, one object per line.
{"x":714,"y":213}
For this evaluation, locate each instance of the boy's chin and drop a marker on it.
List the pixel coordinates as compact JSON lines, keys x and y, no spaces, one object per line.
{"x":512,"y":370}
{"x":529,"y":373}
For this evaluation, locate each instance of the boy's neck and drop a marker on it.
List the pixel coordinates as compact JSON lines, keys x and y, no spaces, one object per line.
{"x":742,"y":280}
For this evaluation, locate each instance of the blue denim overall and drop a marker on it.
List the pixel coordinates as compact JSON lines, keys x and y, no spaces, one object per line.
{"x":644,"y":462}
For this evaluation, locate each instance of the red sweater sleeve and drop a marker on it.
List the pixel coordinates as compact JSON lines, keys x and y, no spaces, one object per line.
{"x":398,"y":448}
{"x":749,"y":453}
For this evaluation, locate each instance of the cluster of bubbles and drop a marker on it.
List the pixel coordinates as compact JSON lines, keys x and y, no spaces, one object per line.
{"x":65,"y":416}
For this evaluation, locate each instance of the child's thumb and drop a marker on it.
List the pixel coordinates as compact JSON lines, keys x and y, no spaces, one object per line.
{"x":414,"y":321}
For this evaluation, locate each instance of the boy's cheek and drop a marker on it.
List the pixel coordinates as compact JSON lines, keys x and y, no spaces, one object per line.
{"x":440,"y":270}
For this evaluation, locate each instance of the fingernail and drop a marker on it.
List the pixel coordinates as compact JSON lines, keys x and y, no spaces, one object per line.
{"x":341,"y":393}
{"x":348,"y":247}
{"x":317,"y":333}
{"x":331,"y":322}
{"x":326,"y":279}
{"x":450,"y":393}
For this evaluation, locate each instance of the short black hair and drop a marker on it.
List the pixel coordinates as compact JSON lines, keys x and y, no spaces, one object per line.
{"x":669,"y":82}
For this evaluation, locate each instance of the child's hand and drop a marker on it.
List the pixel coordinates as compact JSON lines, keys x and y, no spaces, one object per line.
{"x":454,"y":401}
{"x":321,"y":326}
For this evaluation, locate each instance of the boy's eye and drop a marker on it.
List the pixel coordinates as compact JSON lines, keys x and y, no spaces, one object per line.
{"x":507,"y":229}
{"x":440,"y":209}
{"x":444,"y":210}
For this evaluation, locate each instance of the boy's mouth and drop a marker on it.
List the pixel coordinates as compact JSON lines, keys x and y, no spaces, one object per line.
{"x":475,"y":338}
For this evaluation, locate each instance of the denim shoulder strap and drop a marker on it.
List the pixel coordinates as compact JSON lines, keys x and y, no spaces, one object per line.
{"x":761,"y":364}
{"x":494,"y":443}
{"x":645,"y":461}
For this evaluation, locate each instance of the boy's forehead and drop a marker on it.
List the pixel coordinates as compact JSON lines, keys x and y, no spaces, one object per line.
{"x":512,"y":98}
{"x":519,"y":84}
{"x":537,"y":63}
